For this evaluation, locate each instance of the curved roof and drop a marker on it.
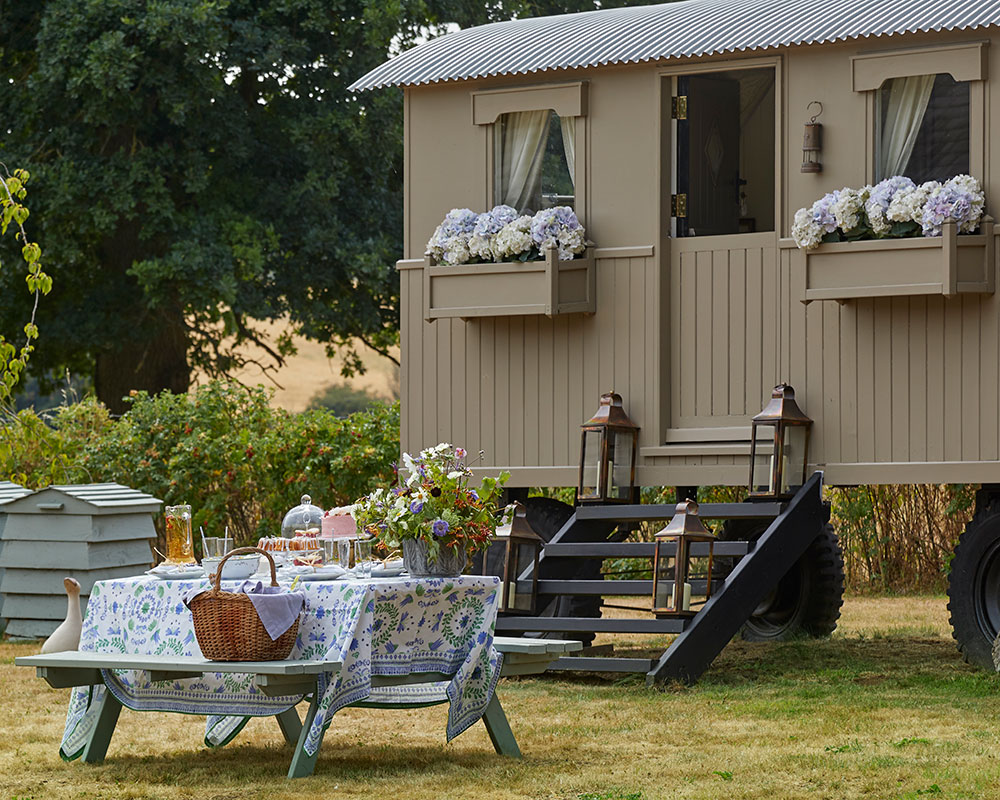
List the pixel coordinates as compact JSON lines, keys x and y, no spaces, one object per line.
{"x":670,"y":30}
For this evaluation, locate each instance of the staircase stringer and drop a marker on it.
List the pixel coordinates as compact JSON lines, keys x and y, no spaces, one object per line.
{"x":775,"y":553}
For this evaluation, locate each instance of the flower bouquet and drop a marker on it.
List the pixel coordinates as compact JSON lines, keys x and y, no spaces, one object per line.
{"x":434,"y":514}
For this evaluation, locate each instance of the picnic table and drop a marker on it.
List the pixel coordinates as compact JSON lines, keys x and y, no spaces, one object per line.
{"x":398,"y":642}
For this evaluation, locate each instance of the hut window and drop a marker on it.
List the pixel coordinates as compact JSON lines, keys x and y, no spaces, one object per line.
{"x":536,"y":160}
{"x":726,"y":152}
{"x":923,"y":128}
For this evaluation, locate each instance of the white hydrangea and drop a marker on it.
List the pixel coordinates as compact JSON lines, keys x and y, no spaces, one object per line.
{"x":908,"y":203}
{"x":806,"y":232}
{"x":848,"y":207}
{"x":571,"y":243}
{"x":969,"y":186}
{"x":513,"y":239}
{"x":481,"y":246}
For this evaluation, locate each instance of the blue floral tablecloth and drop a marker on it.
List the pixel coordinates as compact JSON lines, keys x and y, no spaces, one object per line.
{"x":377,"y":627}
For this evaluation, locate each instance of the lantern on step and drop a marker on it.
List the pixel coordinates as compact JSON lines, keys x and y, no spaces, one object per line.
{"x":779,"y":447}
{"x":684,"y":541}
{"x":522,"y":547}
{"x":607,"y":454}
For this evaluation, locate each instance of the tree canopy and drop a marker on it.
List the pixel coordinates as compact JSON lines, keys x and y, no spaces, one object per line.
{"x":198,"y":165}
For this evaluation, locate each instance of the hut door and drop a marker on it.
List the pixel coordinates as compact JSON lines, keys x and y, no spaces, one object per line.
{"x":708,"y":155}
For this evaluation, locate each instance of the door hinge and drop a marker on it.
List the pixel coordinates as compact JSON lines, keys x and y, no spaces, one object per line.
{"x":678,"y":205}
{"x":679,"y":107}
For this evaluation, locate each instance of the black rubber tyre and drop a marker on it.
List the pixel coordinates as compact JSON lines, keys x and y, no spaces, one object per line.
{"x":807,"y":601}
{"x":974,"y":585}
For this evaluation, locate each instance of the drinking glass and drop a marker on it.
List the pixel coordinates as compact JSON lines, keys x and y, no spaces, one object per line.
{"x":330,"y":552}
{"x":363,"y":558}
{"x":344,"y":551}
{"x":217,"y":546}
{"x":180,"y":548}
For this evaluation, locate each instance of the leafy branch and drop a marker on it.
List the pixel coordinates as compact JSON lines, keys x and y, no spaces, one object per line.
{"x":12,"y":360}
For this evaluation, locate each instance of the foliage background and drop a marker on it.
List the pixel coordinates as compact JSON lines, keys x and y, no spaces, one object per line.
{"x":222,"y":449}
{"x":241,"y":463}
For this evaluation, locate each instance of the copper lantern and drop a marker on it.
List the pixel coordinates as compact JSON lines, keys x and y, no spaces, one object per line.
{"x":673,"y":560}
{"x":779,"y":447}
{"x":607,"y":454}
{"x":521,"y":546}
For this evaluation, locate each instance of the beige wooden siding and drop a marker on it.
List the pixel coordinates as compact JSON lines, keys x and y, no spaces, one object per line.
{"x":894,"y":381}
{"x":723,"y":329}
{"x":520,"y":387}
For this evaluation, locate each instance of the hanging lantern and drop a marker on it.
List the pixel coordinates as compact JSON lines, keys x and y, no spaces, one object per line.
{"x":672,"y":561}
{"x":812,"y":142}
{"x":779,"y":447}
{"x":607,"y":454}
{"x":521,"y":546}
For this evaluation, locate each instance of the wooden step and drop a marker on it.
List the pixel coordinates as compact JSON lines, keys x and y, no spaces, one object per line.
{"x":591,"y":624}
{"x":607,"y":664}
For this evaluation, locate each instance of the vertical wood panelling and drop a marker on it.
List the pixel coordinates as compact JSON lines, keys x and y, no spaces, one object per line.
{"x":900,"y":375}
{"x":702,"y":313}
{"x":532,"y":379}
{"x":989,"y":352}
{"x":918,"y":379}
{"x":487,"y":399}
{"x":953,"y":380}
{"x":754,"y":339}
{"x":516,"y":395}
{"x":866,"y":380}
{"x":501,"y":392}
{"x":737,"y":341}
{"x":445,"y":420}
{"x":935,"y":379}
{"x":848,"y":430}
{"x":971,"y":346}
{"x":829,"y":345}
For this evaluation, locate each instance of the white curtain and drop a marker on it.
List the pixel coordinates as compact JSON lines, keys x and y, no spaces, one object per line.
{"x":568,"y":126}
{"x":908,"y":98}
{"x":522,"y":150}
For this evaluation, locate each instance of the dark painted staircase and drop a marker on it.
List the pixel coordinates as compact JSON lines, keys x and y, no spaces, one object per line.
{"x":759,"y":567}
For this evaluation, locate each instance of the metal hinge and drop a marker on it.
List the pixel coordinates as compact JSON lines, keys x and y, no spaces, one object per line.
{"x":679,"y":107}
{"x":678,"y":205}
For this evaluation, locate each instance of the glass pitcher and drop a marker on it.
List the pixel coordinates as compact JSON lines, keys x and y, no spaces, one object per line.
{"x":179,"y":542}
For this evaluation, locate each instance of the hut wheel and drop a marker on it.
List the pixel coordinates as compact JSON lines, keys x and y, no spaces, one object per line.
{"x":974,"y":583}
{"x":807,"y":600}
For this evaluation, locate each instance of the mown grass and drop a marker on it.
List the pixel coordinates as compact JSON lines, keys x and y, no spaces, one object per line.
{"x":884,"y":709}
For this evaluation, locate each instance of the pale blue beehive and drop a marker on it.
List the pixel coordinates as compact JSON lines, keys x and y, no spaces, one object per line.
{"x":8,"y":491}
{"x":89,"y":532}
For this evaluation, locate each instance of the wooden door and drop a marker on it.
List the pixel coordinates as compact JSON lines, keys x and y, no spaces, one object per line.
{"x":708,"y":155}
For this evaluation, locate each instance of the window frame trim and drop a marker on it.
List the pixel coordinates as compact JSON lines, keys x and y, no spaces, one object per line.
{"x":566,"y":99}
{"x":966,"y":62}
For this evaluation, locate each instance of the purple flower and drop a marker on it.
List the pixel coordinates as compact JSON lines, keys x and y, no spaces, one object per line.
{"x":460,"y":452}
{"x":492,"y":221}
{"x":440,"y":527}
{"x":416,"y":507}
{"x":474,"y":494}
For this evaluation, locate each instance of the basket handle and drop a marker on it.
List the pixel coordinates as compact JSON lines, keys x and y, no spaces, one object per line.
{"x":216,"y":589}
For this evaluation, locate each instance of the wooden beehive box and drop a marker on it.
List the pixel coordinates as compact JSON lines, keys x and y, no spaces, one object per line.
{"x":89,"y":532}
{"x":8,"y":492}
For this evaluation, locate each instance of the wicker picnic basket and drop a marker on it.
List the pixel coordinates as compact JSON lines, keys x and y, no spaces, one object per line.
{"x":227,"y":625}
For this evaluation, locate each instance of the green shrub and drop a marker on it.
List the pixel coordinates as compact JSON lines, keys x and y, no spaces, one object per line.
{"x":222,"y":449}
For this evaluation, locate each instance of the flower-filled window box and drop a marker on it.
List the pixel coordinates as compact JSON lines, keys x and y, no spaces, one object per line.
{"x":895,"y":239}
{"x":501,"y":263}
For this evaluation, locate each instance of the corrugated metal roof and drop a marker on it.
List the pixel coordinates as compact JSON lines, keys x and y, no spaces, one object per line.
{"x":107,"y":495}
{"x":11,"y":491}
{"x":670,"y":30}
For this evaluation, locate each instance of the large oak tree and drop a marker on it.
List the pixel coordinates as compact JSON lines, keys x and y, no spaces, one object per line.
{"x":198,"y":165}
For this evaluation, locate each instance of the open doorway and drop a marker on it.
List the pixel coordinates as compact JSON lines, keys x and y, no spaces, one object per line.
{"x":725,"y":154}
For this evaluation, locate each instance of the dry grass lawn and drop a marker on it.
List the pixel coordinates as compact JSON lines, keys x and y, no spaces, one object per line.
{"x":884,"y":709}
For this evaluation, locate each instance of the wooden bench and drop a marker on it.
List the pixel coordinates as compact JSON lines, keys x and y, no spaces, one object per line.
{"x":279,"y":678}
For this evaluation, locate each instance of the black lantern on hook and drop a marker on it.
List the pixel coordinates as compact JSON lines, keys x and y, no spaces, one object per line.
{"x":812,"y":141}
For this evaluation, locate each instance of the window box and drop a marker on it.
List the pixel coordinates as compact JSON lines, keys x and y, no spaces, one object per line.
{"x":550,"y":287}
{"x":946,"y":265}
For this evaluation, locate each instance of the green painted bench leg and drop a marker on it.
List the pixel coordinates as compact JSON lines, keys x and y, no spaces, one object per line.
{"x":290,"y":726}
{"x":499,"y":730}
{"x":97,"y":744}
{"x":303,"y":764}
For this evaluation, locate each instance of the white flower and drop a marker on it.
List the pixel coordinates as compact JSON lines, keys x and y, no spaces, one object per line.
{"x":847,"y":209}
{"x":806,"y":232}
{"x":513,"y":239}
{"x":908,"y":203}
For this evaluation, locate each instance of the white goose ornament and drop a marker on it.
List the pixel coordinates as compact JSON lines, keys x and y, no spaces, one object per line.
{"x":67,"y":635}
